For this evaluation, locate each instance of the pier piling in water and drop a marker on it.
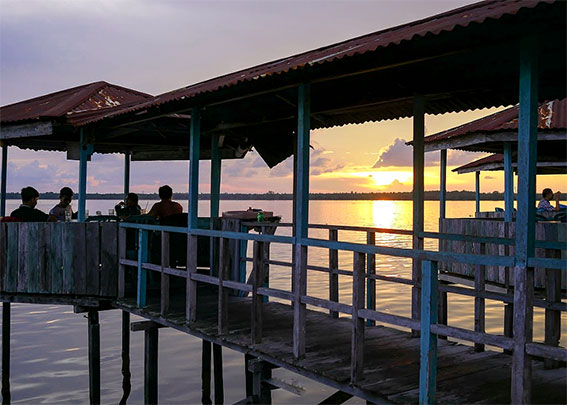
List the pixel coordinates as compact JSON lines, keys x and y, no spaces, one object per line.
{"x":94,"y":357}
{"x":6,"y":352}
{"x":206,"y":373}
{"x":126,"y":384}
{"x":151,"y":365}
{"x":219,"y":384}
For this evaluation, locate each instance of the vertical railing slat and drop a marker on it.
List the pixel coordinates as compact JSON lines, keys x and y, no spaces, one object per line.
{"x":357,"y":341}
{"x":164,"y":296}
{"x":223,"y":292}
{"x":479,"y":303}
{"x":333,"y":275}
{"x":142,"y":273}
{"x":371,"y":283}
{"x":258,"y":273}
{"x":428,"y":352}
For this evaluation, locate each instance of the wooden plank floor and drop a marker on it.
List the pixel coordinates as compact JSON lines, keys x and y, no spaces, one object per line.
{"x":391,"y":357}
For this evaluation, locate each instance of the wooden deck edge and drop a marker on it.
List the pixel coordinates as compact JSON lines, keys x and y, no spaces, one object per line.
{"x":49,"y":299}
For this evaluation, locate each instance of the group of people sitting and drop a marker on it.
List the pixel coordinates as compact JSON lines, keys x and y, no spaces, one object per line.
{"x":27,"y":211}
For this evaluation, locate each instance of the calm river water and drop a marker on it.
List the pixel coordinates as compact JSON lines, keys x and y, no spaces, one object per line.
{"x":49,"y":343}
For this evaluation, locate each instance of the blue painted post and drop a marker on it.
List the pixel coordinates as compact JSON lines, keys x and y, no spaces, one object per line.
{"x":443,"y":184}
{"x":82,"y":178}
{"x":301,"y":217}
{"x":142,"y":273}
{"x":195,"y":140}
{"x":477,"y":191}
{"x":525,"y":221}
{"x":418,"y":198}
{"x":428,"y":340}
{"x":508,"y":183}
{"x":215,"y":199}
{"x":4,"y":178}
{"x":126,"y":173}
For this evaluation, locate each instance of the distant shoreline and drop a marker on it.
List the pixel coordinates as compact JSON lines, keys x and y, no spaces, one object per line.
{"x":352,"y":196}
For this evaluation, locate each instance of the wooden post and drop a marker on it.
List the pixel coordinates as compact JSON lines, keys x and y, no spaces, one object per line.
{"x":94,"y":357}
{"x":219,"y":383}
{"x":193,"y":219}
{"x":357,"y":340}
{"x":164,"y":296}
{"x":257,"y":300}
{"x":261,"y":371}
{"x":477,"y":191}
{"x":126,"y":173}
{"x":333,"y":272}
{"x":3,"y":180}
{"x":525,"y":220}
{"x":443,"y":312}
{"x":215,"y":200}
{"x":418,"y":199}
{"x":302,"y":218}
{"x":479,"y":303}
{"x":142,"y":273}
{"x":222,"y":320}
{"x":121,"y":267}
{"x":6,"y":323}
{"x":248,"y":375}
{"x":126,"y":376}
{"x":85,"y":151}
{"x":428,"y":352}
{"x":151,"y":335}
{"x":508,"y":183}
{"x":443,"y":184}
{"x":206,"y":373}
{"x":371,"y":283}
{"x":552,"y":317}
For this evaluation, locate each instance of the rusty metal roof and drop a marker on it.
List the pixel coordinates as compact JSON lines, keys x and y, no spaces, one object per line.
{"x":466,"y":16}
{"x":552,"y":116}
{"x":93,"y":96}
{"x":496,"y":162}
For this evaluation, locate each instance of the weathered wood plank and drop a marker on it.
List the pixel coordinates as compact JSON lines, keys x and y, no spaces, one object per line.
{"x":23,"y":248}
{"x":164,"y":296}
{"x":44,"y":268}
{"x":3,"y":254}
{"x":32,"y":258}
{"x":108,"y":259}
{"x":222,"y":291}
{"x":357,"y":340}
{"x":428,"y":340}
{"x":92,"y":258}
{"x":56,"y":257}
{"x":68,"y":253}
{"x":94,"y":357}
{"x":479,"y":303}
{"x":191,"y":285}
{"x":13,"y":256}
{"x":299,"y":289}
{"x":333,"y":275}
{"x":121,"y":268}
{"x":371,"y":283}
{"x":80,"y":259}
{"x":258,"y":278}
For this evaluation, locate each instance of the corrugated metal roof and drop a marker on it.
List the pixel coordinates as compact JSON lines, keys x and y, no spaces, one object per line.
{"x":552,"y":116}
{"x":445,"y":22}
{"x":496,"y":162}
{"x":497,"y":158}
{"x":88,"y":97}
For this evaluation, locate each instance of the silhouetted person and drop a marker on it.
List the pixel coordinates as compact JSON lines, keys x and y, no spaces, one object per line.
{"x":128,"y":207}
{"x":545,"y":204}
{"x":27,"y":212}
{"x":64,"y":206}
{"x":166,"y":206}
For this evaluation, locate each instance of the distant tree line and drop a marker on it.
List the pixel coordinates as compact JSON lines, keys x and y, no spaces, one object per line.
{"x":270,"y":195}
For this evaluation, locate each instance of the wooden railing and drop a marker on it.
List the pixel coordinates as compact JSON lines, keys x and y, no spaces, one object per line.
{"x":74,"y":259}
{"x":364,"y":279}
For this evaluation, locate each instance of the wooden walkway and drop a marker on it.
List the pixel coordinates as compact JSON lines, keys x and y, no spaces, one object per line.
{"x":391,"y":357}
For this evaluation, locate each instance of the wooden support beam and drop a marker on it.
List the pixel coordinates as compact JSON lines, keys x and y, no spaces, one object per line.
{"x":333,"y":271}
{"x":164,"y":296}
{"x":206,"y":373}
{"x":94,"y":357}
{"x":479,"y":303}
{"x":508,"y":183}
{"x":477,"y":191}
{"x":219,"y":383}
{"x":222,"y":309}
{"x":357,"y":340}
{"x":191,"y":285}
{"x":338,"y":397}
{"x":248,"y":375}
{"x":127,"y":158}
{"x":257,"y":300}
{"x":371,"y":283}
{"x":418,"y":199}
{"x":443,"y":183}
{"x":299,"y":308}
{"x":261,"y":373}
{"x":143,"y":242}
{"x":86,"y":150}
{"x":552,"y":317}
{"x":121,"y":267}
{"x":215,"y":200}
{"x":428,"y":344}
{"x":126,"y":375}
{"x":525,"y":220}
{"x":443,"y":312}
{"x":3,"y":179}
{"x":145,"y":325}
{"x":151,"y":336}
{"x":6,"y":326}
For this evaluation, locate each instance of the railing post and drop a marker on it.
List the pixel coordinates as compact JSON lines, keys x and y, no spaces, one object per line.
{"x":257,"y":300}
{"x":6,"y":325}
{"x":193,"y":219}
{"x":299,"y":290}
{"x":443,"y":184}
{"x":357,"y":341}
{"x":479,"y":303}
{"x":525,"y":220}
{"x":477,"y":191}
{"x":428,"y":353}
{"x":371,"y":283}
{"x":164,"y":296}
{"x":142,"y":273}
{"x":333,"y":272}
{"x":126,"y":173}
{"x":121,"y":267}
{"x":508,"y":183}
{"x":3,"y":180}
{"x":222,"y":319}
{"x":151,"y":336}
{"x":418,"y":198}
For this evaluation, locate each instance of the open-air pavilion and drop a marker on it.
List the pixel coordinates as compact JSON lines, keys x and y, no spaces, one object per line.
{"x":487,"y":54}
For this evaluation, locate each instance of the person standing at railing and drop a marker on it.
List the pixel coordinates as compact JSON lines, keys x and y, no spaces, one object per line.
{"x":166,"y":206}
{"x":63,"y":211}
{"x":545,"y":204}
{"x":27,"y":211}
{"x":128,"y":207}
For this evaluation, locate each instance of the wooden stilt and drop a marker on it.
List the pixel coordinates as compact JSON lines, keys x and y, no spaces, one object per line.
{"x":509,"y":321}
{"x":261,"y":371}
{"x":6,"y":352}
{"x":126,"y":376}
{"x":219,"y":384}
{"x":333,"y":272}
{"x":151,"y":365}
{"x":479,"y":303}
{"x":248,"y":375}
{"x":94,"y":358}
{"x":206,"y":373}
{"x":552,"y":317}
{"x":443,"y":309}
{"x":370,"y":283}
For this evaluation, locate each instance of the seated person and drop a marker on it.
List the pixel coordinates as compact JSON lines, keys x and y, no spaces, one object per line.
{"x":27,"y":212}
{"x":545,"y":204}
{"x":65,"y":198}
{"x":129,"y":207}
{"x":166,"y":206}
